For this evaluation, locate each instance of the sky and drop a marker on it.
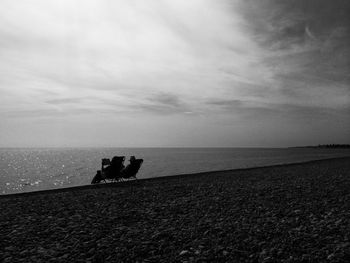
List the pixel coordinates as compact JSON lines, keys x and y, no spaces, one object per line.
{"x":164,"y":73}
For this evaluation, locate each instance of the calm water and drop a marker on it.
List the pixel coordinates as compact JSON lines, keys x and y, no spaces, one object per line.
{"x":23,"y":170}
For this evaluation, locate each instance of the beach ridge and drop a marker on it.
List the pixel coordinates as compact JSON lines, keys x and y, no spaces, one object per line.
{"x":285,"y":213}
{"x":169,"y":177}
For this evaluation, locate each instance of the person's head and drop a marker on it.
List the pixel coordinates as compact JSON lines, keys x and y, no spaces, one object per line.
{"x":132,"y":159}
{"x":118,"y":159}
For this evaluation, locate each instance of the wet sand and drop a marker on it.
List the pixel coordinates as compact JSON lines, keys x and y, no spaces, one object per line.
{"x":285,"y":213}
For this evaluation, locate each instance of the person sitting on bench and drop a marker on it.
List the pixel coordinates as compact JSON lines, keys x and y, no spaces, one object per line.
{"x":132,"y":168}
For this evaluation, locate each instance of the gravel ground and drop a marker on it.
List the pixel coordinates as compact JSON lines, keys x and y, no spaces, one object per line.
{"x":291,"y":213}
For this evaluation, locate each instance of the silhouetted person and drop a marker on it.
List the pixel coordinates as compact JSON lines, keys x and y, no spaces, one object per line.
{"x":97,"y":178}
{"x":115,"y":169}
{"x":132,"y":168}
{"x":117,"y":164}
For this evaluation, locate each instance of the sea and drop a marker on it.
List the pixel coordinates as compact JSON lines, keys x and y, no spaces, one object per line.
{"x":33,"y":169}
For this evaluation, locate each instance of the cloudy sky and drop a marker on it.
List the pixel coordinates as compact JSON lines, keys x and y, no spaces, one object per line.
{"x":174,"y":73}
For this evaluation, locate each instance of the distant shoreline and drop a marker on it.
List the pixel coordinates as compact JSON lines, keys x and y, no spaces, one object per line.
{"x":326,"y":146}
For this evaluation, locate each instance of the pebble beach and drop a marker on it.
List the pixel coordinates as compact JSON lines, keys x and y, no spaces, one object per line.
{"x":284,"y":213}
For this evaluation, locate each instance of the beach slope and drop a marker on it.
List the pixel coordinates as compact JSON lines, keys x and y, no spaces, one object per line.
{"x":291,"y":213}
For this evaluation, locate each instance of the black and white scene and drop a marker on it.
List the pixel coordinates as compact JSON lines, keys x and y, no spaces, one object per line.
{"x":175,"y":131}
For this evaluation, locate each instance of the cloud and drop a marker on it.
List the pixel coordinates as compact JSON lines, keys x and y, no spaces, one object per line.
{"x":124,"y":61}
{"x":166,"y":103}
{"x":306,"y":49}
{"x":125,"y":47}
{"x":167,"y":99}
{"x":65,"y":101}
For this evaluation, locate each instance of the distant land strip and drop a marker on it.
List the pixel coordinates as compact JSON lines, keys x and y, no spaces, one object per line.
{"x":331,"y":146}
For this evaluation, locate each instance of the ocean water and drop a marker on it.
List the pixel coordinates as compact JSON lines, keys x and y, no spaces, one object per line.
{"x":31,"y":169}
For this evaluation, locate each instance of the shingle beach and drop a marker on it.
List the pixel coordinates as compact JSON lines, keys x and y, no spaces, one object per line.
{"x":287,"y":213}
